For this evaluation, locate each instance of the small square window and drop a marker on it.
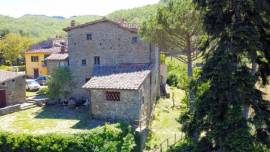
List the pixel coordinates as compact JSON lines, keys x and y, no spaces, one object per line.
{"x":134,"y":40}
{"x":89,"y":36}
{"x":97,"y":60}
{"x":34,"y":58}
{"x":112,"y":96}
{"x":84,"y":62}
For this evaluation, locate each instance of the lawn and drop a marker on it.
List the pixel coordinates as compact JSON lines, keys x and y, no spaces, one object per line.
{"x":52,"y":119}
{"x":165,"y":124}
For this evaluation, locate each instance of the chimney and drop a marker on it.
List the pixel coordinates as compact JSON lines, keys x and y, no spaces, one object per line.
{"x":72,"y":23}
{"x":63,"y":49}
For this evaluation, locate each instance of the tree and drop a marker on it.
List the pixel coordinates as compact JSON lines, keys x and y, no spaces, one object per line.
{"x":12,"y":46}
{"x":61,"y":83}
{"x":176,"y":26}
{"x":239,"y":35}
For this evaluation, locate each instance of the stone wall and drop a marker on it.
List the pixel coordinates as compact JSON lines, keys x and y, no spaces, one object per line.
{"x":112,"y":43}
{"x":145,"y":99}
{"x":52,"y":65}
{"x":128,"y":108}
{"x":15,"y":90}
{"x":10,"y":109}
{"x":163,"y":74}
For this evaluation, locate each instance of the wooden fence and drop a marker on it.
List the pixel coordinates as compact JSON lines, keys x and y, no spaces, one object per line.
{"x":168,"y":143}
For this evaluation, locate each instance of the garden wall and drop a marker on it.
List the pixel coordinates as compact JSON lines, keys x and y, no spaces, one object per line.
{"x":10,"y":109}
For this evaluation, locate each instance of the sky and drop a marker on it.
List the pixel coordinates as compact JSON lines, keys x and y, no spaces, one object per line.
{"x":67,"y":8}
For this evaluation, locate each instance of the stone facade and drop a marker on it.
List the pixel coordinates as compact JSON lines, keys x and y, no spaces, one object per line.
{"x":54,"y":64}
{"x":113,"y":45}
{"x":15,"y":90}
{"x":133,"y":105}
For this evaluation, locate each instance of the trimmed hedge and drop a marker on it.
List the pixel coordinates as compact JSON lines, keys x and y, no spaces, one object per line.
{"x":109,"y":138}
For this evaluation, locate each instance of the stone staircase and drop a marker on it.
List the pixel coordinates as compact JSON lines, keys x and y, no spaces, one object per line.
{"x":27,"y":105}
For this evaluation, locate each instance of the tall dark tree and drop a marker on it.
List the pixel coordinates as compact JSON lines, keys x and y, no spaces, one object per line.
{"x":239,"y":36}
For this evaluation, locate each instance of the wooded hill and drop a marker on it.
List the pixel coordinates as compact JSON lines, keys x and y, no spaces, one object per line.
{"x":40,"y":27}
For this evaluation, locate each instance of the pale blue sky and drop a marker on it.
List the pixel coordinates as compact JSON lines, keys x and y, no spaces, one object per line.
{"x":67,"y":8}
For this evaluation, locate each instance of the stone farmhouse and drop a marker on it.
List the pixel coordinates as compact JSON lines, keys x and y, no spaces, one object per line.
{"x":114,"y":69}
{"x":12,"y":88}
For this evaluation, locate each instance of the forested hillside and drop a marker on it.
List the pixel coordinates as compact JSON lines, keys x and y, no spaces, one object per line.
{"x":40,"y":27}
{"x":135,"y":15}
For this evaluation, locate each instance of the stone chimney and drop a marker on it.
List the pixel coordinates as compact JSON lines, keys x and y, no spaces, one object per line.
{"x":72,"y":23}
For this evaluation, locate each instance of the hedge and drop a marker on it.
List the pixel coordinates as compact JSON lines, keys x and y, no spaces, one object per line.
{"x":109,"y":138}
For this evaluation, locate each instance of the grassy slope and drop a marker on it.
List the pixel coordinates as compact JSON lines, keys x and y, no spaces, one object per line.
{"x":165,"y":124}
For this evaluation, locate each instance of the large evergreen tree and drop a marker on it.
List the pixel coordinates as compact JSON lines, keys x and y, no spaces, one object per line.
{"x":239,"y":36}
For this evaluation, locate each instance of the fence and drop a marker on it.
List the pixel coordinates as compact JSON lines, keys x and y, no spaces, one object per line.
{"x":168,"y":143}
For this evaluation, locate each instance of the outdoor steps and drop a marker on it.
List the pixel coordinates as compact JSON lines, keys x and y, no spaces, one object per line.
{"x":27,"y":105}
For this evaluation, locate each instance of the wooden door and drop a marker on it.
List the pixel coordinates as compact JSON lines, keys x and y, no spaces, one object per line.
{"x":2,"y":98}
{"x":36,"y":73}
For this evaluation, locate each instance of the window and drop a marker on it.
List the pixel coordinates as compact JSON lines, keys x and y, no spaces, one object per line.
{"x":112,"y":96}
{"x":96,"y":60}
{"x":89,"y":36}
{"x":134,"y":40}
{"x":84,"y":62}
{"x":34,"y":58}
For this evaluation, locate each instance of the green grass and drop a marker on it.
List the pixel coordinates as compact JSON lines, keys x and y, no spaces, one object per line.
{"x":4,"y":67}
{"x":165,"y":124}
{"x":52,"y":119}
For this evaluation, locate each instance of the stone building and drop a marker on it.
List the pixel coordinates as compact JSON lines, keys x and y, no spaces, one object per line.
{"x":58,"y":59}
{"x":114,"y":68}
{"x":12,"y":88}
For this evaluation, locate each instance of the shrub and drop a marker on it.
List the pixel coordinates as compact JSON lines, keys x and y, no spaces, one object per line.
{"x":60,"y":85}
{"x":172,"y":80}
{"x":43,"y":91}
{"x":109,"y":138}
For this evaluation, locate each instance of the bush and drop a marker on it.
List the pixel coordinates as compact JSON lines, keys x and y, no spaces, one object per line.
{"x":173,"y":80}
{"x":60,"y":84}
{"x":43,"y":91}
{"x":109,"y":138}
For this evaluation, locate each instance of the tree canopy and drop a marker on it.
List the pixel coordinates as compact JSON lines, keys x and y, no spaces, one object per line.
{"x":12,"y":46}
{"x":176,"y":28}
{"x":239,"y":35}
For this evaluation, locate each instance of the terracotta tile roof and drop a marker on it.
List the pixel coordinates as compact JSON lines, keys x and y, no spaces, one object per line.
{"x":47,"y":51}
{"x":129,"y":27}
{"x":125,"y":77}
{"x":57,"y":56}
{"x":8,"y":75}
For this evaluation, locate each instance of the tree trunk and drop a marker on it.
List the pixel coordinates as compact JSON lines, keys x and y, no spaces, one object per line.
{"x":189,"y":57}
{"x":254,"y":69}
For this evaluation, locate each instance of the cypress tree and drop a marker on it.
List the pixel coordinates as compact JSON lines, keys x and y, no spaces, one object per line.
{"x":238,"y":43}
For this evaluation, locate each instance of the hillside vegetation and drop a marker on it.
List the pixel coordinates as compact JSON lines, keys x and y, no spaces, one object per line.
{"x":40,"y":27}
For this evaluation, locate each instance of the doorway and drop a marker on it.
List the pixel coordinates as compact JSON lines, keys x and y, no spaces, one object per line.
{"x":2,"y":98}
{"x":36,"y":73}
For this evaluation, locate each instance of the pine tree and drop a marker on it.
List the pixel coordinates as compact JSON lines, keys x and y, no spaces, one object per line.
{"x":239,"y":36}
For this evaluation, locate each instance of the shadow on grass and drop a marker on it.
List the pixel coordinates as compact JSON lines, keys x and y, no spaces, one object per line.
{"x":63,"y":112}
